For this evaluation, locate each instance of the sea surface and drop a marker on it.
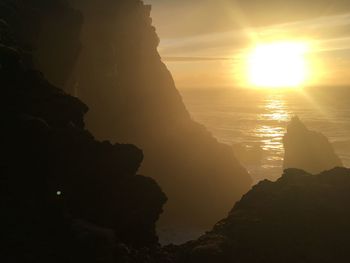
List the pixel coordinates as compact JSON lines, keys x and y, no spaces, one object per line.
{"x":252,"y":119}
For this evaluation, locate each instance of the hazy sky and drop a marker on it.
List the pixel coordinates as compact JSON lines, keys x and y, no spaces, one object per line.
{"x":202,"y":40}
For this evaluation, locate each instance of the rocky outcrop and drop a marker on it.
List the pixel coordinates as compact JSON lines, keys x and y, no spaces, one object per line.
{"x":133,"y":99}
{"x":299,"y":218}
{"x":66,"y":197}
{"x":308,"y":150}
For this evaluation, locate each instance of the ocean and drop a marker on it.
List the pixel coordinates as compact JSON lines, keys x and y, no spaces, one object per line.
{"x":251,"y":119}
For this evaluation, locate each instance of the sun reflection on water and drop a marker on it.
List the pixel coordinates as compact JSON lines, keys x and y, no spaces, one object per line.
{"x":275,"y":115}
{"x":276,"y":109}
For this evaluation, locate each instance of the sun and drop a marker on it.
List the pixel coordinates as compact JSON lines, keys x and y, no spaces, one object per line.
{"x":278,"y":65}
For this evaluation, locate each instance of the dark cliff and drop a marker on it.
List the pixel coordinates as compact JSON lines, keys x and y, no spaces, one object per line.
{"x":299,"y":218}
{"x":66,"y":197}
{"x":106,"y":54}
{"x":133,"y":99}
{"x":308,"y":150}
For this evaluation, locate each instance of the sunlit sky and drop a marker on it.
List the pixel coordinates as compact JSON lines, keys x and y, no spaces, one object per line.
{"x":203,"y":42}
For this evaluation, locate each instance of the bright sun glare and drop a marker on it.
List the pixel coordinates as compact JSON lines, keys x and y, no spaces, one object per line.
{"x":278,"y":65}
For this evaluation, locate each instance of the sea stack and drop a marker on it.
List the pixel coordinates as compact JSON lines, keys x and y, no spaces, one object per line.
{"x":308,"y":150}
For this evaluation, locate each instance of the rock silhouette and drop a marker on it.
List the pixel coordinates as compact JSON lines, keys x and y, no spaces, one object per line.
{"x":299,"y":218}
{"x":308,"y":150}
{"x":106,"y":54}
{"x":67,"y":197}
{"x":133,"y":99}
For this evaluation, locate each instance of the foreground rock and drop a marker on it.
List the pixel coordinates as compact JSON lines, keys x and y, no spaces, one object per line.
{"x":65,"y":196}
{"x":299,"y":218}
{"x":308,"y":150}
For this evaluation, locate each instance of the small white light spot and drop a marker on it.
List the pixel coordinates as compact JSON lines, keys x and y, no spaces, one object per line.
{"x":58,"y":193}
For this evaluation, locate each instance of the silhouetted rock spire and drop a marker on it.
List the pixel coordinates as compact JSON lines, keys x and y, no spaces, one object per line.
{"x":308,"y":150}
{"x":133,"y":99}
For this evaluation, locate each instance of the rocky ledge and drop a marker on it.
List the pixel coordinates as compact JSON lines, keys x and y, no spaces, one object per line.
{"x":299,"y":218}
